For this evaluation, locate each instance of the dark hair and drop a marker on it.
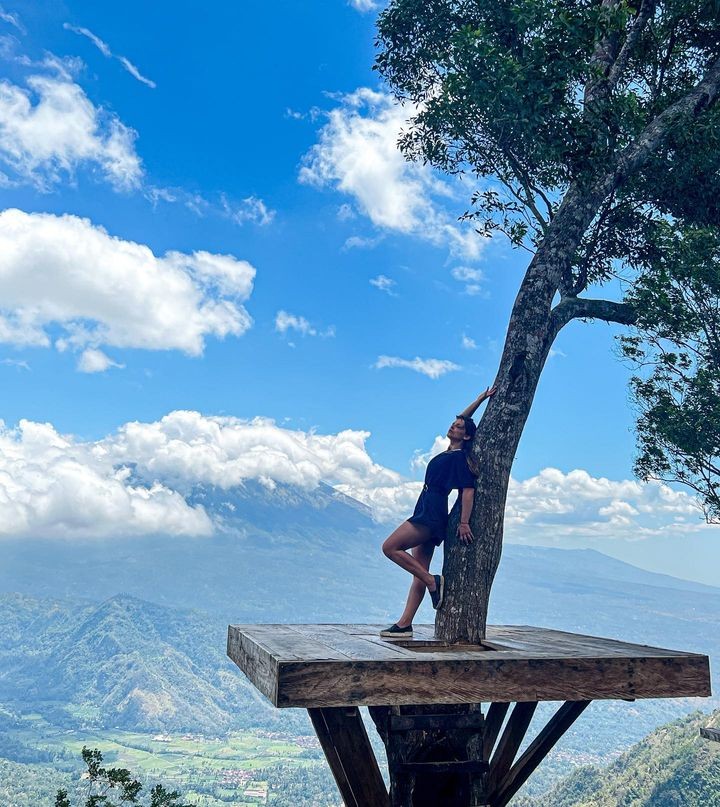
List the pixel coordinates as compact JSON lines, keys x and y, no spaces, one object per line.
{"x":470,"y":429}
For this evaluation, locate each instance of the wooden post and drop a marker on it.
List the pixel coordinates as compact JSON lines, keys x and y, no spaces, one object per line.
{"x":347,"y":749}
{"x":434,"y":753}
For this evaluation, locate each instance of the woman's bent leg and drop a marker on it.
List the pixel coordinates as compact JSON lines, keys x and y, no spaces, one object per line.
{"x":407,"y":536}
{"x":423,"y":554}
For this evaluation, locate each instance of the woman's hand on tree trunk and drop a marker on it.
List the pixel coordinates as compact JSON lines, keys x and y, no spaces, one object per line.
{"x":489,"y":392}
{"x":465,"y":534}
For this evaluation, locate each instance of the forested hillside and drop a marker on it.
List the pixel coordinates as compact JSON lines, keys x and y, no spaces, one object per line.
{"x":672,"y":767}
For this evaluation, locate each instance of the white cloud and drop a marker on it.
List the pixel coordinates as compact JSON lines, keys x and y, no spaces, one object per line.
{"x":135,"y":73}
{"x":468,"y":342}
{"x":357,"y":154}
{"x":95,"y":361}
{"x":383,"y":283}
{"x":102,"y":290}
{"x":55,"y":485}
{"x":362,"y":242}
{"x":104,"y":48}
{"x":250,"y":209}
{"x":12,"y":19}
{"x":470,"y":276}
{"x":364,"y":5}
{"x":285,"y":322}
{"x":51,"y":486}
{"x":433,"y":368}
{"x":19,"y":363}
{"x":553,"y":507}
{"x":60,"y":132}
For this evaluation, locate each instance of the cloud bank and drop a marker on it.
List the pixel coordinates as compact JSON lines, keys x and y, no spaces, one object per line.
{"x":136,"y":481}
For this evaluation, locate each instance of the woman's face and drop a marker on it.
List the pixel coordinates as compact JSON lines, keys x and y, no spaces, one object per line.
{"x":457,"y":430}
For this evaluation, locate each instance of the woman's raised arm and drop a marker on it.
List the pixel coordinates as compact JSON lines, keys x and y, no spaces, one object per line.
{"x":469,"y":411}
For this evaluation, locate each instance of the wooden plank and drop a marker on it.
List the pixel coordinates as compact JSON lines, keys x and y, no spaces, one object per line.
{"x":509,"y":784}
{"x":434,"y":722}
{"x":255,"y":661}
{"x":347,"y":749}
{"x":509,"y":743}
{"x":450,"y":766}
{"x":491,"y":677}
{"x":710,"y":733}
{"x":493,"y":724}
{"x":355,"y":646}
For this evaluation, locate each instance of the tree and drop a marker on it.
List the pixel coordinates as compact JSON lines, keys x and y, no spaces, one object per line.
{"x":116,"y":782}
{"x":593,"y":126}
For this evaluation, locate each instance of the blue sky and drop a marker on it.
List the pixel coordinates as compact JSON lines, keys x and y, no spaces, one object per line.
{"x":257,"y":136}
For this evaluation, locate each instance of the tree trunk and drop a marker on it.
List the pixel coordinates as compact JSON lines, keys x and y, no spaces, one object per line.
{"x":469,"y":570}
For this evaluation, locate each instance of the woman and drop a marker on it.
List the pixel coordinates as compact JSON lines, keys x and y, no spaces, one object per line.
{"x":427,"y":526}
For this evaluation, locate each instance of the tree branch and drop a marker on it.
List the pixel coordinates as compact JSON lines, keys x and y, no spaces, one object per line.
{"x":610,"y":58}
{"x":647,"y":9}
{"x":583,"y":308}
{"x":702,"y":95}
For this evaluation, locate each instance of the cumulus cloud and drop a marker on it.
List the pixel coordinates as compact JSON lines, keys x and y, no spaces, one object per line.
{"x":51,"y":128}
{"x":104,"y":48}
{"x":51,"y":486}
{"x":357,"y":154}
{"x":468,"y":342}
{"x":432,"y":368}
{"x":99,"y":290}
{"x":285,"y":322}
{"x":554,"y":506}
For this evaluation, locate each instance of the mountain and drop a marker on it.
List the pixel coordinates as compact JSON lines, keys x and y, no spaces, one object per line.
{"x":125,"y":664}
{"x":672,"y":767}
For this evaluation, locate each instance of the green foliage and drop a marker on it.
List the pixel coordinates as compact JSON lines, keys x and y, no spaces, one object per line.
{"x":673,"y":767}
{"x":515,"y":91}
{"x":107,"y":783}
{"x":678,"y":351}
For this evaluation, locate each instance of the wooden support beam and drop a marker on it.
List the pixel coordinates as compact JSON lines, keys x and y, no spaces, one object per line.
{"x":446,"y":722}
{"x":512,"y":737}
{"x":493,"y":724}
{"x":348,"y":751}
{"x":509,"y":784}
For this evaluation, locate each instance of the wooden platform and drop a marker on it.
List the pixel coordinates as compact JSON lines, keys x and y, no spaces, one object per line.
{"x":350,"y":665}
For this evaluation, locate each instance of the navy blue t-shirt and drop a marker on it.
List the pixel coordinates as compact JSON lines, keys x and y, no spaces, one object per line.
{"x":449,"y":471}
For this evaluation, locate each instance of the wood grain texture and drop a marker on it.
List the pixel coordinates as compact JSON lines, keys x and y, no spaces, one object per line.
{"x":506,"y":783}
{"x":343,"y":665}
{"x":347,"y":749}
